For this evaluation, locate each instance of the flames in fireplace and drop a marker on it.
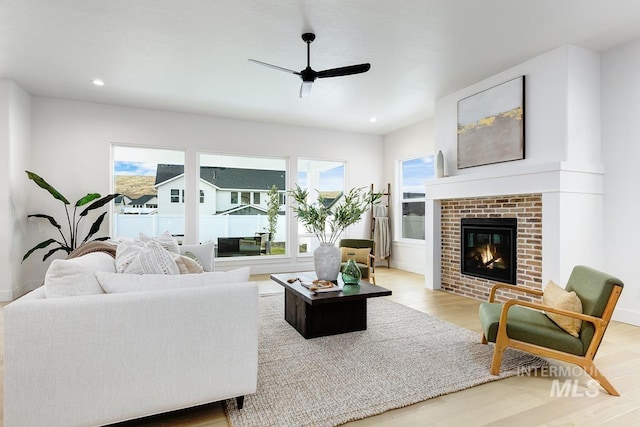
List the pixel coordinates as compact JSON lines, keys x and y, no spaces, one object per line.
{"x":488,"y":248}
{"x":488,"y":257}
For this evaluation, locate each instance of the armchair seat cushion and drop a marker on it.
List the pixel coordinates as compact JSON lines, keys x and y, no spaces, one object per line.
{"x":529,"y":326}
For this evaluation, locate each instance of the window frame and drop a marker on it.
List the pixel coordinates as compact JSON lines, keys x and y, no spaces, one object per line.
{"x":399,"y":223}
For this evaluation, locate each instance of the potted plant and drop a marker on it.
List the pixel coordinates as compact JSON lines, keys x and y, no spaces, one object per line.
{"x":328,"y":223}
{"x":71,"y":241}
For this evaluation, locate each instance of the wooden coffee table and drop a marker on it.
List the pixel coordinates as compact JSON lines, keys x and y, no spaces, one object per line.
{"x":317,"y":315}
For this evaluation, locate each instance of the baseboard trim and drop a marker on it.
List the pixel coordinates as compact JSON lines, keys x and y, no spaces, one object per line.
{"x":626,"y":316}
{"x":12,"y":294}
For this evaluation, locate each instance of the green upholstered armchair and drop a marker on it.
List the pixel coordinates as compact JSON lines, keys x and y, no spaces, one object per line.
{"x":514,"y":323}
{"x":365,"y":261}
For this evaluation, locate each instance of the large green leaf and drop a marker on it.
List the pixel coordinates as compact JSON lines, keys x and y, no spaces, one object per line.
{"x":40,"y":245}
{"x":54,"y":250}
{"x":44,"y":184}
{"x":47,"y":217}
{"x":88,"y":198}
{"x":99,"y":203}
{"x":95,"y":227}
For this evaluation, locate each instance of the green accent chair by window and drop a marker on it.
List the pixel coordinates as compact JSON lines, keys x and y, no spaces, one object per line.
{"x":521,"y":325}
{"x":364,"y":259}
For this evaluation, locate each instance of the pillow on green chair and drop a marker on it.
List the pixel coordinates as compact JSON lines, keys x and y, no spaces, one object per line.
{"x":362,"y":254}
{"x":557,"y":297}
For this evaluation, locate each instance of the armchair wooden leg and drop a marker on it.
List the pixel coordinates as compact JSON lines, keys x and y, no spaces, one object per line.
{"x":498,"y":350}
{"x":601,"y":379}
{"x":484,"y":339}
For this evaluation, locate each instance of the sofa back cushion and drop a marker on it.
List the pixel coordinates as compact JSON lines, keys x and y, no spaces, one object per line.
{"x":118,"y":282}
{"x":203,"y":254}
{"x":76,"y":276}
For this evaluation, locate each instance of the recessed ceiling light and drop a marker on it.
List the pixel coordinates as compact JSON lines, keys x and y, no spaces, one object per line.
{"x":373,"y":120}
{"x":97,"y":82}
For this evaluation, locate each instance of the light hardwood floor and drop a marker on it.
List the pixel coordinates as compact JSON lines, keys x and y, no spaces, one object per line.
{"x":522,"y":401}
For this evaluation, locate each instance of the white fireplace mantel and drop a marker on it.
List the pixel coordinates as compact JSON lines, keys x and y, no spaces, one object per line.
{"x":572,"y":205}
{"x":518,"y":179}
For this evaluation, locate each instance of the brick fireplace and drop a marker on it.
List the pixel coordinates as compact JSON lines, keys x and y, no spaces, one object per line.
{"x":558,"y":207}
{"x":526,"y":208}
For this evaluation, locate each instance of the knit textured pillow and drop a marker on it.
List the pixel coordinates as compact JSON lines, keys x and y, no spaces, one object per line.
{"x":556,"y":297}
{"x":151,"y":258}
{"x":166,"y":240}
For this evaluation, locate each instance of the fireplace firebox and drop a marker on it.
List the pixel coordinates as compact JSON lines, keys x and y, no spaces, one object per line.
{"x":488,"y":248}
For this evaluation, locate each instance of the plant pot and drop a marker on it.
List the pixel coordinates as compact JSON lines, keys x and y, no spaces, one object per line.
{"x":326,"y":261}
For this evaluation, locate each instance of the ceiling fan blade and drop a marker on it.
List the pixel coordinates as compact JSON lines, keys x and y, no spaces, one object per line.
{"x":275,"y":67}
{"x":344,"y":71}
{"x":305,"y":89}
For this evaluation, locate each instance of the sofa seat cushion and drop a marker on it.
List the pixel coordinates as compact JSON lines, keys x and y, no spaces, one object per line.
{"x":76,"y":276}
{"x":121,"y":282}
{"x":530,"y":326}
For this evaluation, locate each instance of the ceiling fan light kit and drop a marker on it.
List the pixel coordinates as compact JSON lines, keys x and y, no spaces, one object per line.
{"x":309,"y":75}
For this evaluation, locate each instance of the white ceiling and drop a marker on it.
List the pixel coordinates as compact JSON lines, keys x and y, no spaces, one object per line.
{"x":191,"y":55}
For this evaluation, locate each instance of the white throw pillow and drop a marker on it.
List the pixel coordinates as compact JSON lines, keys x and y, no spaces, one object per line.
{"x":116,"y":282}
{"x":151,"y":258}
{"x":76,"y":276}
{"x":187,"y":265}
{"x":203,"y":254}
{"x":166,"y":240}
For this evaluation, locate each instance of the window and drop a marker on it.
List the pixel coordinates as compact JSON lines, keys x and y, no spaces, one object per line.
{"x":413,"y":174}
{"x":236,"y":220}
{"x":148,"y":174}
{"x":325,"y":178}
{"x":245,"y":198}
{"x":201,"y":196}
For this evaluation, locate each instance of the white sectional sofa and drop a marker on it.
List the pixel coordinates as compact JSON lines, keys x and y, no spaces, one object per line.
{"x":98,"y":359}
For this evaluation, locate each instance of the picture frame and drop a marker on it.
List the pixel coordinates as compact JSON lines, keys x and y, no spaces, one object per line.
{"x":491,"y":125}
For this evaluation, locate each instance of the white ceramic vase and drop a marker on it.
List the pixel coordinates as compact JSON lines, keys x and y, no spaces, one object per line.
{"x":439,"y":165}
{"x":326,"y":260}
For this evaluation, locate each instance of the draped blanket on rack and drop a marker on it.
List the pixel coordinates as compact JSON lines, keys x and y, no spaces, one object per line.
{"x":381,"y":232}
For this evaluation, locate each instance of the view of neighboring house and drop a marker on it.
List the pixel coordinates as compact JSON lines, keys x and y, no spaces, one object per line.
{"x":120,"y":203}
{"x":223,"y":190}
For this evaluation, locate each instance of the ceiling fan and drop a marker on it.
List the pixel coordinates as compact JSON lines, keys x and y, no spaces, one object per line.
{"x":308,"y":75}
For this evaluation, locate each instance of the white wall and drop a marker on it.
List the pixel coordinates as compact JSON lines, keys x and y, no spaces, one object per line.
{"x":621,"y":152}
{"x":411,"y":142}
{"x":71,"y":147}
{"x":562,"y":159}
{"x":15,"y":129}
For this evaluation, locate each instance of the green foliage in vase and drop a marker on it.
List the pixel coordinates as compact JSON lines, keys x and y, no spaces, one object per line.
{"x":69,"y":239}
{"x":329,"y":223}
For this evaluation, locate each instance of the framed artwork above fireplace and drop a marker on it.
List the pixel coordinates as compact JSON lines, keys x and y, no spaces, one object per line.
{"x":491,"y":125}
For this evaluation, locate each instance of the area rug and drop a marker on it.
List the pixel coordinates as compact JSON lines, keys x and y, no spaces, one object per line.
{"x":404,"y":357}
